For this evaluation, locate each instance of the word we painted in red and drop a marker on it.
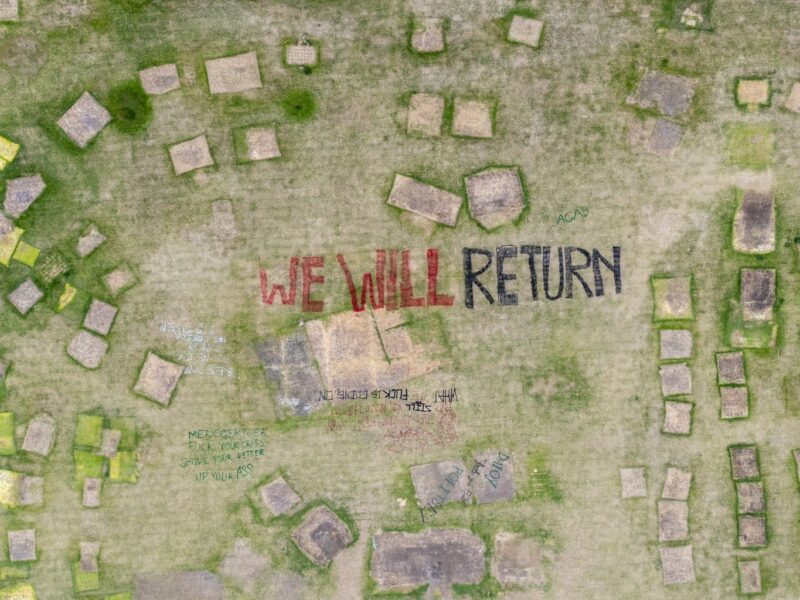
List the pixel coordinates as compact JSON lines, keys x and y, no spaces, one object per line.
{"x":390,"y":286}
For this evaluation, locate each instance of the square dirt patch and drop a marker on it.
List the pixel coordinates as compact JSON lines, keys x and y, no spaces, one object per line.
{"x":754,"y":223}
{"x":231,"y":74}
{"x":677,"y":417}
{"x":84,"y":120}
{"x":440,"y":557}
{"x":665,"y":138}
{"x":792,"y":102}
{"x":749,"y":576}
{"x":753,"y":92}
{"x":119,"y":279}
{"x":302,"y":55}
{"x":495,"y":196}
{"x":524,"y":30}
{"x":322,"y":535}
{"x":89,"y":553}
{"x":100,"y":317}
{"x":730,"y":368}
{"x":110,"y":442}
{"x":439,"y":482}
{"x":31,"y":492}
{"x":92,"y":486}
{"x":262,"y":143}
{"x":733,"y":402}
{"x":518,"y":561}
{"x":9,"y":10}
{"x":158,"y":379}
{"x":87,"y":349}
{"x":289,"y":364}
{"x":757,"y":294}
{"x":677,"y":564}
{"x":677,"y":484}
{"x":22,"y":545}
{"x":21,"y":193}
{"x":675,"y":343}
{"x":427,"y":36}
{"x":744,"y":462}
{"x":752,"y":531}
{"x":40,"y":435}
{"x":495,"y":480}
{"x":634,"y":484}
{"x":673,"y":298}
{"x":25,"y":296}
{"x":191,"y":155}
{"x":278,"y":497}
{"x":750,"y":497}
{"x":89,"y":241}
{"x":472,"y":118}
{"x":424,"y":199}
{"x":197,"y":585}
{"x":676,"y":380}
{"x":160,"y":80}
{"x":425,"y":114}
{"x":670,"y":95}
{"x":673,"y":521}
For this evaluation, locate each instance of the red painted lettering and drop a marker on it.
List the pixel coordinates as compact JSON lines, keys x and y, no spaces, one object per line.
{"x":309,"y":279}
{"x":435,"y":299}
{"x":269,"y":298}
{"x":407,"y":298}
{"x":367,"y":283}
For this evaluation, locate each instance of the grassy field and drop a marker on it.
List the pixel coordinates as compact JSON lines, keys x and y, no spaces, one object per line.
{"x":561,"y":117}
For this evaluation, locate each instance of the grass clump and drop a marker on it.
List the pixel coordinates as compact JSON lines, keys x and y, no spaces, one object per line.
{"x":130,"y":106}
{"x":299,"y":105}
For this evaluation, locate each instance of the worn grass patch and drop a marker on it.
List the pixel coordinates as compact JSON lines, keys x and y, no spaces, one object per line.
{"x":541,"y":482}
{"x":559,"y":383}
{"x":751,"y":146}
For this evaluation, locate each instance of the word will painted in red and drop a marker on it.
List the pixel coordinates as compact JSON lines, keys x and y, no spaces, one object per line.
{"x":390,"y":286}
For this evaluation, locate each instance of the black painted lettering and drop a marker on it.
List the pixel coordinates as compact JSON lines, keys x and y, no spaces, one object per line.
{"x":546,"y":272}
{"x":532,"y":251}
{"x":615,"y":268}
{"x":572,"y":270}
{"x":503,"y":296}
{"x":471,"y":277}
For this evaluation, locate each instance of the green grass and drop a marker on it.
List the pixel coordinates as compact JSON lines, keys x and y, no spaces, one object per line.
{"x":18,"y":591}
{"x":122,"y":467}
{"x":751,"y":145}
{"x":542,"y":484}
{"x":26,"y":254}
{"x":299,"y":105}
{"x":83,"y":582}
{"x":89,"y":431}
{"x":488,"y":588}
{"x":14,"y":572}
{"x":748,"y":334}
{"x":74,"y":300}
{"x":8,"y":446}
{"x":130,"y":107}
{"x":127,"y":426}
{"x":558,"y":383}
{"x":87,"y":464}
